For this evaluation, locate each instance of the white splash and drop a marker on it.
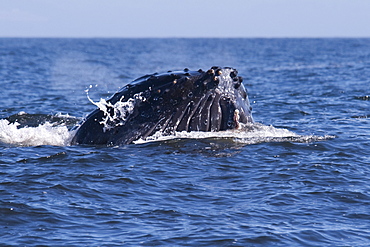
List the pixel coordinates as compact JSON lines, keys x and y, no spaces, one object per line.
{"x":116,"y":114}
{"x":44,"y":134}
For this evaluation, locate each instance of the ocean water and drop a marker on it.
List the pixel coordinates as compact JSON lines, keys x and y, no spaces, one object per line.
{"x":300,"y":178}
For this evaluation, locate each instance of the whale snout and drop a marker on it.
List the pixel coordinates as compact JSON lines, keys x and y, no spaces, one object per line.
{"x":234,"y":98}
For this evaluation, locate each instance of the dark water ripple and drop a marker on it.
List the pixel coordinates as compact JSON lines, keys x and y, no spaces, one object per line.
{"x":185,"y":203}
{"x":190,"y":192}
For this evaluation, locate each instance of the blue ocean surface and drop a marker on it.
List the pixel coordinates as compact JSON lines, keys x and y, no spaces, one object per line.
{"x":302,"y":179}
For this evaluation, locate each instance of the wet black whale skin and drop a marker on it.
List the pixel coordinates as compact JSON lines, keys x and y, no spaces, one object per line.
{"x":167,"y":102}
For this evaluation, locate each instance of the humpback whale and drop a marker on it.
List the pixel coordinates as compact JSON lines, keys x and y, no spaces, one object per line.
{"x":212,"y":100}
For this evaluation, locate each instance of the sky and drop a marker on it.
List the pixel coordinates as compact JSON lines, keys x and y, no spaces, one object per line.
{"x":185,"y":18}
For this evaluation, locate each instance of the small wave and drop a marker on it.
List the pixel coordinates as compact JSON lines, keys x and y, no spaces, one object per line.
{"x":44,"y":134}
{"x":365,"y":98}
{"x":24,"y":119}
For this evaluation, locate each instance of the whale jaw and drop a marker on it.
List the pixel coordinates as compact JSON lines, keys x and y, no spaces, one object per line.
{"x":213,"y":100}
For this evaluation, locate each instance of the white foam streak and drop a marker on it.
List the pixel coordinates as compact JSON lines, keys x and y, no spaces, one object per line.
{"x":59,"y":135}
{"x":44,"y":134}
{"x":248,"y":134}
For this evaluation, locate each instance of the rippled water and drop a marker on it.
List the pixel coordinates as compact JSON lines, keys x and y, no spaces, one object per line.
{"x":299,"y":179}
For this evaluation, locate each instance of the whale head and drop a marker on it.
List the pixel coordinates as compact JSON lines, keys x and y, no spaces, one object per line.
{"x":212,"y":100}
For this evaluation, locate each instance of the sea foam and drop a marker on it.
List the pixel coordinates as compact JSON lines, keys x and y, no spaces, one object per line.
{"x":59,"y":135}
{"x":43,"y":134}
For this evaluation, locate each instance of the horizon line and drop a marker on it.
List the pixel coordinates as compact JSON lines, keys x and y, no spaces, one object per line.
{"x":184,"y":37}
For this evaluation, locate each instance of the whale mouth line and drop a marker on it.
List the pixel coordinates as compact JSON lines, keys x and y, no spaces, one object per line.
{"x":247,"y":134}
